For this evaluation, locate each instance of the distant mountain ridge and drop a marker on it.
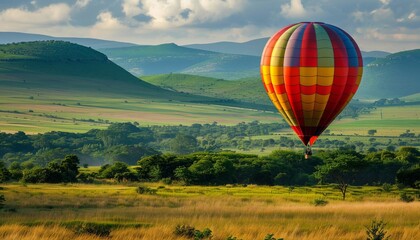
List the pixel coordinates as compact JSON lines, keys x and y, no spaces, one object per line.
{"x":396,"y":75}
{"x":167,"y":58}
{"x":253,"y":47}
{"x":256,"y":46}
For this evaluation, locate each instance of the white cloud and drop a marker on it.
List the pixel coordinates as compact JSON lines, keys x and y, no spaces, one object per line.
{"x":49,"y":15}
{"x":131,"y":8}
{"x":385,"y":2}
{"x":381,"y":24}
{"x":412,"y":16}
{"x":402,"y":35}
{"x":176,"y":13}
{"x":108,"y":26}
{"x":82,"y":3}
{"x":359,"y":16}
{"x":293,"y":10}
{"x":382,"y":15}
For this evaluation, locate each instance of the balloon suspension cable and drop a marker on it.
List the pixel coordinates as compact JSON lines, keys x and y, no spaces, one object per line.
{"x":308,"y":151}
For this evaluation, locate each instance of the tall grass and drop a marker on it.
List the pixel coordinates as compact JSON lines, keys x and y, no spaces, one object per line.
{"x":45,"y":211}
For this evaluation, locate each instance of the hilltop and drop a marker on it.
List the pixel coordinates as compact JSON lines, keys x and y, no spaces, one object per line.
{"x":15,"y":37}
{"x":51,"y":51}
{"x":57,"y":65}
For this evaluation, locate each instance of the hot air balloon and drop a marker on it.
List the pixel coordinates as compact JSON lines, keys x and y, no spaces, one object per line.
{"x":311,"y":71}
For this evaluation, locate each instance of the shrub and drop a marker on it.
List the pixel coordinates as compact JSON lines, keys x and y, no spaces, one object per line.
{"x":320,"y":202}
{"x":376,"y":231}
{"x":190,"y":232}
{"x":205,"y":234}
{"x":85,"y":178}
{"x":2,"y":200}
{"x":185,"y":231}
{"x":102,"y":230}
{"x":406,"y":198}
{"x":167,"y":181}
{"x":232,"y":238}
{"x":387,"y":187}
{"x":270,"y":237}
{"x":146,"y":190}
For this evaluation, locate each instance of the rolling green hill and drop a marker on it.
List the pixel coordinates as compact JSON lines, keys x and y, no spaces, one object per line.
{"x":167,"y":58}
{"x":57,"y":65}
{"x":396,"y":75}
{"x":53,"y":85}
{"x":247,"y":90}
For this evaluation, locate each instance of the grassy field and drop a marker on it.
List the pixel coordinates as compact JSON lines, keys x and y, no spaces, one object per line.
{"x":388,"y":121}
{"x":248,"y":89}
{"x":50,"y":211}
{"x":37,"y":112}
{"x":43,"y":113}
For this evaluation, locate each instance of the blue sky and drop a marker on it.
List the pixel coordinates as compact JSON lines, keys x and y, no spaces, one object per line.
{"x":389,"y":25}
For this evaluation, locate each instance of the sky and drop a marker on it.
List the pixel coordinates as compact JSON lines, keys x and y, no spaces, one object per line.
{"x":387,"y":25}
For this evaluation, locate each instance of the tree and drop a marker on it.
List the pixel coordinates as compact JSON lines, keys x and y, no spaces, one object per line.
{"x":183,"y":144}
{"x":127,"y":154}
{"x":372,"y":132}
{"x":111,"y":171}
{"x":409,"y":177}
{"x":202,"y":171}
{"x":408,"y":155}
{"x":341,"y":169}
{"x":223,"y":170}
{"x":34,"y":175}
{"x":183,"y":174}
{"x":4,"y":173}
{"x":70,"y":168}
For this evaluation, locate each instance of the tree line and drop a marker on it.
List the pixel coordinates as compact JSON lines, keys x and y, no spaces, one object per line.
{"x":127,"y":142}
{"x":343,"y":167}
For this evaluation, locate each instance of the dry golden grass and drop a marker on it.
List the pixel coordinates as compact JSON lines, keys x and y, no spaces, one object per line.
{"x":246,"y":213}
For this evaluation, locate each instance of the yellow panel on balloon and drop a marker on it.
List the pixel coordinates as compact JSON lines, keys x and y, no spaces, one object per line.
{"x":307,"y":106}
{"x":319,"y":107}
{"x":325,"y":71}
{"x":276,"y":70}
{"x":276,"y":61}
{"x":308,"y":81}
{"x":322,"y":98}
{"x":317,"y":114}
{"x":277,"y":80}
{"x":283,"y":98}
{"x":325,"y":81}
{"x":308,"y":98}
{"x":308,"y":71}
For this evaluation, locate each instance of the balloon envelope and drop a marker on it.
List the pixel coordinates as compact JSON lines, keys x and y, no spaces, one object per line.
{"x":311,"y":71}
